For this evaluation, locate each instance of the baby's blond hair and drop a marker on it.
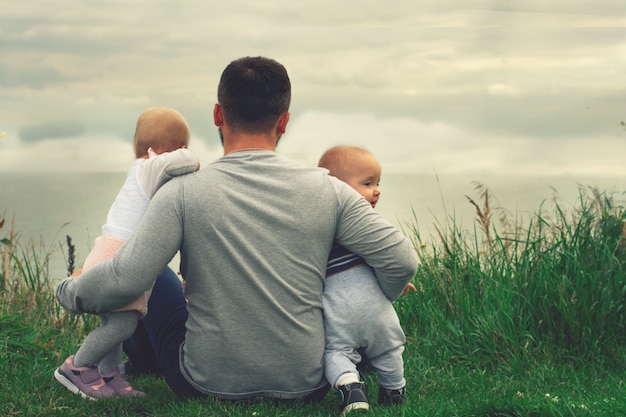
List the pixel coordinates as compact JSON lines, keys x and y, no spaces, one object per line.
{"x":161,"y":128}
{"x":337,"y":159}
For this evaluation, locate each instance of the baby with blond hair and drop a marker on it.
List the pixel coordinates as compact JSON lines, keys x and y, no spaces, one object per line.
{"x":358,"y":318}
{"x":160,"y":145}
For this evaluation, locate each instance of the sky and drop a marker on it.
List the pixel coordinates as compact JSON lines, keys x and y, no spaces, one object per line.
{"x":453,"y":87}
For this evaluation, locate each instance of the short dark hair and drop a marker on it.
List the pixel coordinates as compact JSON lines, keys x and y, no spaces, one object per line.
{"x":253,"y":93}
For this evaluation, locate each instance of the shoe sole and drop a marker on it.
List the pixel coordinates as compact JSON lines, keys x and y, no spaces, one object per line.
{"x":59,"y":376}
{"x":358,"y":406}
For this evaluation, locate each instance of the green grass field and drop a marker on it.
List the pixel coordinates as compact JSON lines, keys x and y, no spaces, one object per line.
{"x":514,"y":317}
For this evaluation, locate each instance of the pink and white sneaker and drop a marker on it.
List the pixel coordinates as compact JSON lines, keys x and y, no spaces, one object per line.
{"x":116,"y":381}
{"x":85,"y":381}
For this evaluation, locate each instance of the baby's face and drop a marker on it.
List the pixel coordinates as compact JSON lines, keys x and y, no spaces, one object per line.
{"x":364,"y":176}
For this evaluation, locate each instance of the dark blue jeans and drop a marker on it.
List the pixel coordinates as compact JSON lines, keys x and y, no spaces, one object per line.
{"x":154,"y":346}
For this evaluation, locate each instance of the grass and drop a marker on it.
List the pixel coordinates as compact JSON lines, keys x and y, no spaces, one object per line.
{"x":512,"y":317}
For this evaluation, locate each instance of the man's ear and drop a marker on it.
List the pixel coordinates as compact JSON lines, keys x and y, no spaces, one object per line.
{"x":283,"y":119}
{"x":218,"y":115}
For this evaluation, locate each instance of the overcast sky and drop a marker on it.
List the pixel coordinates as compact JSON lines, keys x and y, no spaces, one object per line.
{"x":459,"y":87}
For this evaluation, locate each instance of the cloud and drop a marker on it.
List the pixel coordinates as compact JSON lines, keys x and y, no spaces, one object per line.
{"x":402,"y":145}
{"x":93,"y":153}
{"x":502,"y":90}
{"x":51,"y":130}
{"x":24,"y":74}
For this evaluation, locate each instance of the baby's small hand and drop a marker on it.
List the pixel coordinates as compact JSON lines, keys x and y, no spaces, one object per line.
{"x":409,"y":287}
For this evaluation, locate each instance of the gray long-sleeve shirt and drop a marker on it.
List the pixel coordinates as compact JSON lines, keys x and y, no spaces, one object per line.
{"x":254,"y":231}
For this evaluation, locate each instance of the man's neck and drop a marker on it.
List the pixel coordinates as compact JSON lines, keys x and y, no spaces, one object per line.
{"x":249,"y":141}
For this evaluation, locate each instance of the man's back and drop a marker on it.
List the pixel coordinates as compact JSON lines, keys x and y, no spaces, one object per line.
{"x":253,"y":254}
{"x":257,"y":233}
